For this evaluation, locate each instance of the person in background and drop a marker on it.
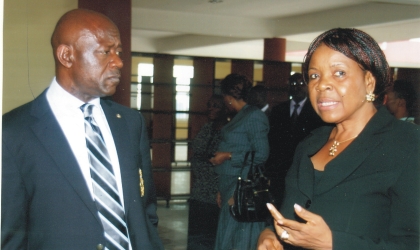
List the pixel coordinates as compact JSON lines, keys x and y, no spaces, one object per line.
{"x":71,"y":161}
{"x":290,"y":122}
{"x":354,"y":185}
{"x":204,"y":207}
{"x":246,"y":132}
{"x":258,"y":98}
{"x":401,"y":101}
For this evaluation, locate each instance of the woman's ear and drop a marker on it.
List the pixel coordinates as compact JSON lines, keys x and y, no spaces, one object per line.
{"x":65,"y":55}
{"x":370,"y":82}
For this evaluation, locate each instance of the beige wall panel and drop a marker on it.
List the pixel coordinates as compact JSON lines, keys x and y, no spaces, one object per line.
{"x":28,"y":62}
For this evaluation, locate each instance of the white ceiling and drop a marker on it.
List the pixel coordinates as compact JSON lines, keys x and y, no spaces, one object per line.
{"x":236,"y":28}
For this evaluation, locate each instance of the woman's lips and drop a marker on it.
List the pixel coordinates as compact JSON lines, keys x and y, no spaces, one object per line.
{"x":327,"y":104}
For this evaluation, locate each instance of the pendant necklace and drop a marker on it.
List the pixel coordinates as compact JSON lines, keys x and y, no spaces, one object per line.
{"x":335,"y":144}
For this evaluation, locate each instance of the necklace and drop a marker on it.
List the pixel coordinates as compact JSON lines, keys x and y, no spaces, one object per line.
{"x":335,"y":144}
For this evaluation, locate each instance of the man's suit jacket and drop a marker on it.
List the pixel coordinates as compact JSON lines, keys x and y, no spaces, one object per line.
{"x":368,"y":194}
{"x":284,"y":135}
{"x":46,"y":203}
{"x":283,"y":138}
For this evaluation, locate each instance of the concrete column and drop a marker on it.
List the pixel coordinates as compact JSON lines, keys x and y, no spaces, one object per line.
{"x":274,"y":49}
{"x":276,"y":71}
{"x":163,"y":123}
{"x":201,"y":90}
{"x":243,"y":67}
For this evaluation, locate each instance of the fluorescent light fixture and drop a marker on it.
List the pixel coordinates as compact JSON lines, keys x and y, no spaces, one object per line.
{"x":383,"y":45}
{"x":415,"y":40}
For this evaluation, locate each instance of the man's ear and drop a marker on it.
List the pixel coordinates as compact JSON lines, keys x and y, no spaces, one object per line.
{"x":65,"y":55}
{"x":370,"y":82}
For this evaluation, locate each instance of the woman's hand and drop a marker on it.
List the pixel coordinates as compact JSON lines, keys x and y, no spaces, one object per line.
{"x":268,"y":241}
{"x":220,"y":157}
{"x":314,"y":234}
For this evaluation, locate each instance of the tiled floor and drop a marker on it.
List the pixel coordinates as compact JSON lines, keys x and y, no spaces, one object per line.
{"x":173,"y":224}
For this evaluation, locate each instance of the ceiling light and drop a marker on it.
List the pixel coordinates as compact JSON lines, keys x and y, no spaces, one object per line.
{"x":415,"y":40}
{"x":383,"y":45}
{"x":215,"y":1}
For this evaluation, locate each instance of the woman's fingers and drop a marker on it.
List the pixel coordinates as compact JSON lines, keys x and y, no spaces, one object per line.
{"x":274,"y":212}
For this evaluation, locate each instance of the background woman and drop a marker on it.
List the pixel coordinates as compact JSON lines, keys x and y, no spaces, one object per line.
{"x":247,"y":131}
{"x":203,"y":209}
{"x":355,"y":185}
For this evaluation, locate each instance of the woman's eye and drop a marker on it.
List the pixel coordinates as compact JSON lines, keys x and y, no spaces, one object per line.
{"x":339,"y":73}
{"x":313,"y":76}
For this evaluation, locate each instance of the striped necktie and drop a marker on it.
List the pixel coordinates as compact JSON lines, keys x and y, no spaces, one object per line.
{"x":105,"y":190}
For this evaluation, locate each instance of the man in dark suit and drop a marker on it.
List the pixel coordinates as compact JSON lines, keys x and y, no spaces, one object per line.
{"x":258,"y":97}
{"x":290,"y":122}
{"x":56,"y":188}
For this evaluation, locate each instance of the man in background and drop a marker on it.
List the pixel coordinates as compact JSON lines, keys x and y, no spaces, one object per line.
{"x":258,"y":97}
{"x":290,"y":122}
{"x":401,"y":101}
{"x":76,"y":169}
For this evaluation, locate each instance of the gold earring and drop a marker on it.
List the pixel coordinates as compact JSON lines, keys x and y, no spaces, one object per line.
{"x":370,"y":97}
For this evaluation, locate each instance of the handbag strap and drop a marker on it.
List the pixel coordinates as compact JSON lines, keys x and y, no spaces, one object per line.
{"x":251,"y":169}
{"x":244,"y":163}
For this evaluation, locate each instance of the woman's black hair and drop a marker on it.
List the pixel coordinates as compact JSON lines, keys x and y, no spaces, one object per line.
{"x":236,"y":85}
{"x":358,"y":46}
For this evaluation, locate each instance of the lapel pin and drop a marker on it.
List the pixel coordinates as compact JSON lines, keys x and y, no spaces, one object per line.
{"x":118,"y":116}
{"x":141,"y":183}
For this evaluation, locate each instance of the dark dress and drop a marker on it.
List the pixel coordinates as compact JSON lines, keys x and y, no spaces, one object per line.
{"x":203,"y":209}
{"x":369,"y":194}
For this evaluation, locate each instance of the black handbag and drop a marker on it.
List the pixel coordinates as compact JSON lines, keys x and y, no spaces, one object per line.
{"x":251,"y":195}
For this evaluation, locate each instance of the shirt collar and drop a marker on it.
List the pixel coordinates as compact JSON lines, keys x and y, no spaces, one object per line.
{"x":301,"y":103}
{"x":265,"y":108}
{"x":57,"y":95}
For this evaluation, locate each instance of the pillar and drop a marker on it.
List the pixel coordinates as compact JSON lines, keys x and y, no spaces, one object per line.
{"x":274,"y":49}
{"x":243,"y":67}
{"x":201,"y":89}
{"x":276,"y":71}
{"x":163,"y":124}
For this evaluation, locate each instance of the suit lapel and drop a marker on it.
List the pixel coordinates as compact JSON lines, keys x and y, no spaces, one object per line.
{"x":355,"y":154}
{"x":49,"y":133}
{"x":120,"y":133}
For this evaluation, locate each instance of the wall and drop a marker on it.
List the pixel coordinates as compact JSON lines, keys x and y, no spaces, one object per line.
{"x":28,"y":64}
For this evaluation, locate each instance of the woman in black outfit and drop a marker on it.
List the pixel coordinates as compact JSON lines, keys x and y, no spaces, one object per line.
{"x":203,"y":209}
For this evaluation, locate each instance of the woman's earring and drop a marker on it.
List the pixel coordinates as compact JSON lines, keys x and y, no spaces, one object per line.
{"x":370,"y":97}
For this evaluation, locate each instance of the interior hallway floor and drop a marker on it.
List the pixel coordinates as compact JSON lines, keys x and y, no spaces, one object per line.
{"x":173,"y":224}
